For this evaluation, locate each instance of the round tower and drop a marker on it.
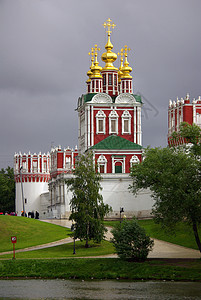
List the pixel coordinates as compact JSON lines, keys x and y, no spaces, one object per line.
{"x":32,"y":172}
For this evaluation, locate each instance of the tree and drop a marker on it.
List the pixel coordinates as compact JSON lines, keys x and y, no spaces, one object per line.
{"x":174,"y":178}
{"x":88,"y":209}
{"x":131,"y":241}
{"x":191,"y":134}
{"x":7,"y":190}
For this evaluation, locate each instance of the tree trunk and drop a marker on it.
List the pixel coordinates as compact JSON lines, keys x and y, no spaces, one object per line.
{"x":86,"y":244}
{"x":195,"y":230}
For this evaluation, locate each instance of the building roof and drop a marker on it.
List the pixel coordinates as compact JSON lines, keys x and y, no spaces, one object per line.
{"x":114,"y":142}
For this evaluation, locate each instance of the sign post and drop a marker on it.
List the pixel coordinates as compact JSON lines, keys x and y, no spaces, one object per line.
{"x":14,"y":241}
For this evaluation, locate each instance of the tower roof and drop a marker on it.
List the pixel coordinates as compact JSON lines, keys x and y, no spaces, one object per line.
{"x":114,"y":142}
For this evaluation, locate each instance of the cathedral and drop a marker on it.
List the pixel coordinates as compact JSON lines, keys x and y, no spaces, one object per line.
{"x":109,"y":118}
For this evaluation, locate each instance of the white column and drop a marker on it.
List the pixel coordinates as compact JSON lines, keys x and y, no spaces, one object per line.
{"x":124,"y":160}
{"x":92,"y":126}
{"x":64,"y":163}
{"x":134,"y":124}
{"x":26,"y":163}
{"x":88,"y":126}
{"x":113,"y":167}
{"x":31,"y":169}
{"x":38,"y":163}
{"x":194,"y":113}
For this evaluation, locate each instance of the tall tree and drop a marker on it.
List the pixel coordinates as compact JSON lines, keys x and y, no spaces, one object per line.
{"x":174,"y":178}
{"x":88,"y":209}
{"x":7,"y":190}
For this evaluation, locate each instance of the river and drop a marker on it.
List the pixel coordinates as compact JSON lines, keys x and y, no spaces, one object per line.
{"x":105,"y":289}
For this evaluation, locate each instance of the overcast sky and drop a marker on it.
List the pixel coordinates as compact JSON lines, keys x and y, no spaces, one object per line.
{"x":44,"y":47}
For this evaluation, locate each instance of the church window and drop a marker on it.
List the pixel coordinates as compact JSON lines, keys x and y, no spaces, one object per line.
{"x":102,"y":164}
{"x":100,"y":122}
{"x":110,"y":79}
{"x":104,"y":79}
{"x":68,"y":161}
{"x":134,"y":161}
{"x":113,"y":122}
{"x":115,"y":79}
{"x":24,"y":166}
{"x":35,"y":166}
{"x":126,"y":122}
{"x":44,"y":166}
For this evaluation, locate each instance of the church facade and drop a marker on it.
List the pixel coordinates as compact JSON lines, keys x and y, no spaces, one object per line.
{"x":109,"y":125}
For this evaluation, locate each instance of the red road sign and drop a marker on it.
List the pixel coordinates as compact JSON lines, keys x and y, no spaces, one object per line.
{"x":13,"y":239}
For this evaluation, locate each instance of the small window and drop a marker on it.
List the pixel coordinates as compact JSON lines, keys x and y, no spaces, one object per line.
{"x":113,"y":126}
{"x":115,"y":79}
{"x":35,"y":166}
{"x":110,"y":79}
{"x":102,"y":168}
{"x":104,"y":79}
{"x":100,"y":125}
{"x":126,"y":127}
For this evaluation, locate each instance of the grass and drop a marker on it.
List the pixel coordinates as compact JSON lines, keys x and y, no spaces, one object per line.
{"x":102,"y":268}
{"x":29,"y":232}
{"x":66,"y":250}
{"x":183,"y":235}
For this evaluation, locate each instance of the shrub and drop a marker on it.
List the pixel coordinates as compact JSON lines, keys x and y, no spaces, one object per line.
{"x":131,"y":241}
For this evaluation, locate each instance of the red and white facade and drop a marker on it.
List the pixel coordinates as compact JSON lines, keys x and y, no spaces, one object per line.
{"x":183,"y":110}
{"x":109,"y":117}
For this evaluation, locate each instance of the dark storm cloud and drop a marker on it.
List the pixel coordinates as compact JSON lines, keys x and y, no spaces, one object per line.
{"x":44,"y":60}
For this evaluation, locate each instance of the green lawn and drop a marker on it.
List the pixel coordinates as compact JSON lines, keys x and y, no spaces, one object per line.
{"x":183,"y":235}
{"x":66,"y":250}
{"x":29,"y":232}
{"x":101,"y":268}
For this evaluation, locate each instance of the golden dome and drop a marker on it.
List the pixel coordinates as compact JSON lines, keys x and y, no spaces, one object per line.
{"x":120,"y":73}
{"x":90,"y":73}
{"x":126,"y":69}
{"x":109,"y":57}
{"x":96,"y":69}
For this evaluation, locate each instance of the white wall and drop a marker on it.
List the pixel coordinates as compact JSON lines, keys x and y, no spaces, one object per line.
{"x":32,"y":192}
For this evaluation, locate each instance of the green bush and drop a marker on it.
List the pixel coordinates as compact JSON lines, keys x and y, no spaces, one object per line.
{"x":131,"y":241}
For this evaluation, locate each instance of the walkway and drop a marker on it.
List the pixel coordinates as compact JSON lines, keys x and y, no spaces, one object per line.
{"x":161,"y":249}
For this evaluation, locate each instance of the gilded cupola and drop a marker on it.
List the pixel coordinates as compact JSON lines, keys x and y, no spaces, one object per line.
{"x":109,"y":57}
{"x":126,"y":69}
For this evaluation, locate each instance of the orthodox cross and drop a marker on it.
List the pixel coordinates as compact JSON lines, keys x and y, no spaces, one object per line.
{"x":108,"y":25}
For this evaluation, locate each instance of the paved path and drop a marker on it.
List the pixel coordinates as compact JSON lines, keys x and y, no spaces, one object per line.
{"x":161,"y":249}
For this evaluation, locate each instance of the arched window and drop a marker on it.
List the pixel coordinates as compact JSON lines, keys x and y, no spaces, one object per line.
{"x":134,"y":161}
{"x":100,"y":122}
{"x":126,"y":122}
{"x":102,"y":164}
{"x":113,"y":122}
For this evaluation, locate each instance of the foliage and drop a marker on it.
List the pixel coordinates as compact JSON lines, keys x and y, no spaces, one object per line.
{"x":88,"y":209}
{"x":101,"y":268}
{"x":7,"y":190}
{"x":131,"y":241}
{"x":174,"y":179}
{"x":192,"y":135}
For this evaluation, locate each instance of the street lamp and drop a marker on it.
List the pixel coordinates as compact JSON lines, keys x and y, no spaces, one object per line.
{"x":121,"y":210}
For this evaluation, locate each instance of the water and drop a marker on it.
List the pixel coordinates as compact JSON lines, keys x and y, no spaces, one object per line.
{"x":74,"y":289}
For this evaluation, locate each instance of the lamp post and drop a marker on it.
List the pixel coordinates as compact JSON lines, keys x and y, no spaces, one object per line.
{"x":23,"y":205}
{"x":121,"y":210}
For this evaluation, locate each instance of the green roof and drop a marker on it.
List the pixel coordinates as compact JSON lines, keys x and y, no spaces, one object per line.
{"x":114,"y":142}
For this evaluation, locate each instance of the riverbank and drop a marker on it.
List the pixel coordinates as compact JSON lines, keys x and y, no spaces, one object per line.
{"x":102,"y":268}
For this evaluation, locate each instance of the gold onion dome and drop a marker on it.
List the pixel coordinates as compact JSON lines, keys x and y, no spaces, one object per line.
{"x":120,"y":73}
{"x":126,"y":69}
{"x":96,"y":69}
{"x":90,"y":73}
{"x":109,"y":57}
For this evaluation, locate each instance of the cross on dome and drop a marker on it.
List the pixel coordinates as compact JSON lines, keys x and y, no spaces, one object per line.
{"x":109,"y":25}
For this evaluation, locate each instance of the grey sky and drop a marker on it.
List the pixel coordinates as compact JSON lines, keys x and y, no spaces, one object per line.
{"x":44,"y":47}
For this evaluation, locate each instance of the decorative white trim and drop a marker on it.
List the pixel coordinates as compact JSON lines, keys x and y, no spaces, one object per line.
{"x":125,"y":98}
{"x":101,"y":98}
{"x":102,"y":161}
{"x":100,"y":116}
{"x":126,"y":116}
{"x":113,"y":116}
{"x":134,"y":160}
